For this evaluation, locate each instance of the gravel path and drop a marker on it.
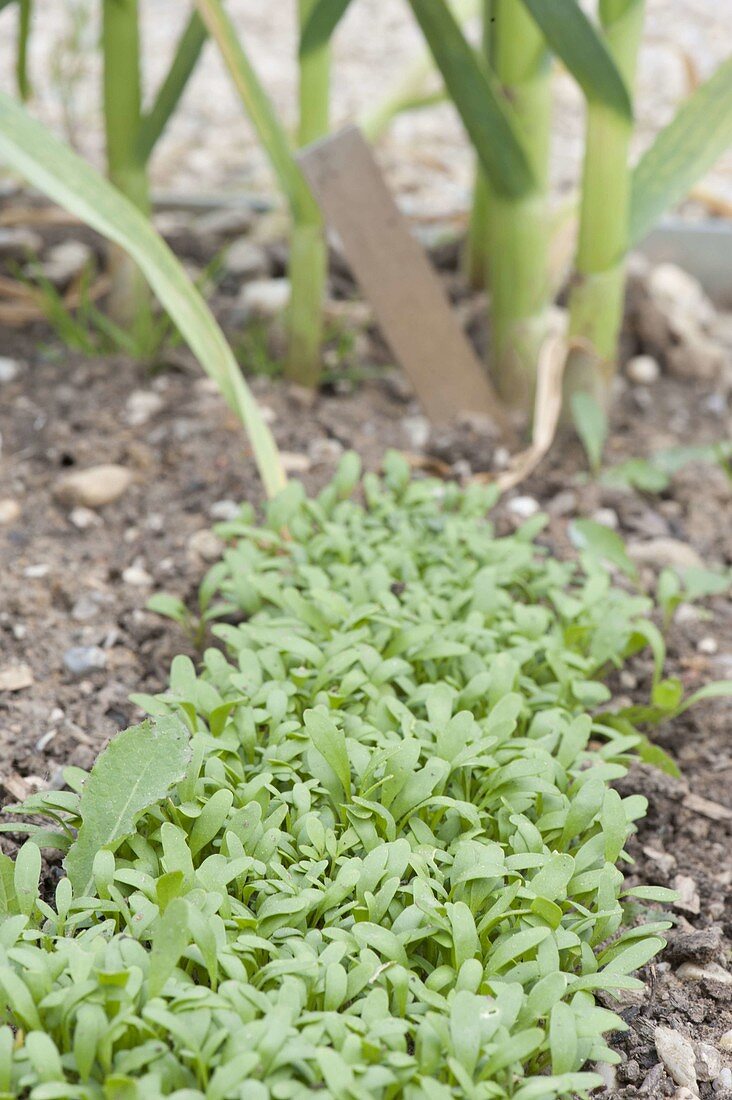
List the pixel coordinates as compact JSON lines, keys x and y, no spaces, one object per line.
{"x":209,"y":146}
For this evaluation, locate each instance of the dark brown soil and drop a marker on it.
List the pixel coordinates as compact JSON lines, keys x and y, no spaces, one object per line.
{"x":61,"y":586}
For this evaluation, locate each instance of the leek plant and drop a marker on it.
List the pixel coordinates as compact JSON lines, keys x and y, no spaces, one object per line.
{"x":131,"y":135}
{"x":514,"y":230}
{"x":597,"y":295}
{"x":503,"y":100}
{"x":308,"y":255}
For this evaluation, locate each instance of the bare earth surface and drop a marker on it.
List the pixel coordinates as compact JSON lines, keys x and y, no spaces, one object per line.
{"x":209,"y":145}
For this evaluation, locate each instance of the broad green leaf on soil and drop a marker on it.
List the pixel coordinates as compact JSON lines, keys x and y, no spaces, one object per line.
{"x":601,"y":542}
{"x":590,"y":422}
{"x":59,"y":173}
{"x":581,"y":48}
{"x":478,"y":100}
{"x":137,"y":768}
{"x":682,"y":152}
{"x":323,"y":19}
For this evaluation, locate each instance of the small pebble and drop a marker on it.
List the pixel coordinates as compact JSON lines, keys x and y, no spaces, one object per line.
{"x":665,"y":552}
{"x":155,"y":522}
{"x":137,"y":577}
{"x":686,"y":613}
{"x":711,"y":972}
{"x":717,"y":404}
{"x":708,"y":645}
{"x":708,"y":1062}
{"x":66,"y":261}
{"x":9,"y":369}
{"x":16,"y":678}
{"x":80,"y":660}
{"x":725,"y":1041}
{"x":688,"y":899}
{"x":295,"y":463}
{"x":677,"y":1055}
{"x":224,"y":222}
{"x":17,"y":243}
{"x":723,"y":1082}
{"x":37,"y":572}
{"x":84,"y":608}
{"x":93,"y":487}
{"x":501,"y":458}
{"x":84,"y":518}
{"x":608,"y":1073}
{"x":9,"y":510}
{"x":608,"y":517}
{"x":206,"y":545}
{"x":523,"y":507}
{"x":325,"y":451}
{"x":224,"y":510}
{"x":265,"y":298}
{"x":643,"y":370}
{"x":246,"y":260}
{"x":417,"y":431}
{"x":141,"y":406}
{"x":563,"y":504}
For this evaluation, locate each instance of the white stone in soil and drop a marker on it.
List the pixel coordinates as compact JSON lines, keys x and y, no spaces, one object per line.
{"x":642,"y":370}
{"x":681,"y":294}
{"x":9,"y":369}
{"x":84,"y":518}
{"x":295,"y":463}
{"x":723,"y":1083}
{"x":9,"y":510}
{"x":141,"y":406}
{"x":710,"y":972}
{"x":93,"y":487}
{"x":223,"y":510}
{"x":665,"y":552}
{"x":708,"y":1062}
{"x":677,"y":1055}
{"x":725,"y":1041}
{"x":608,"y":517}
{"x":66,"y":261}
{"x":708,"y":646}
{"x":688,"y":895}
{"x":246,"y":260}
{"x":523,"y":506}
{"x":227,"y":222}
{"x":204,"y":544}
{"x":16,"y":677}
{"x":17,"y":243}
{"x":137,"y":577}
{"x":326,"y":451}
{"x":417,"y":431}
{"x":80,"y":660}
{"x":265,"y":298}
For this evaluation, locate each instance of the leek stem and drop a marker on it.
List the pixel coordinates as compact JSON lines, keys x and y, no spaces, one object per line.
{"x":517,"y":230}
{"x":130,"y":304}
{"x":597,"y":295}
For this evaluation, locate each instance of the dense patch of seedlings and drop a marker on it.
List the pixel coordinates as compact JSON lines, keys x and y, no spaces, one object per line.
{"x":369,"y":850}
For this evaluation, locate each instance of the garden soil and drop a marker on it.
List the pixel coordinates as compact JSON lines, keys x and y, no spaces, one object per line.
{"x":74,"y":583}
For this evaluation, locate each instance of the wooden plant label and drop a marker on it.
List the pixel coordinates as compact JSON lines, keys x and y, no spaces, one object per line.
{"x":396,"y":276}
